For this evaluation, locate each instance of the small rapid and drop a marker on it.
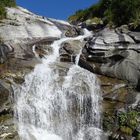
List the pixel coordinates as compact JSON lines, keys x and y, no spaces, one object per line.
{"x":52,"y":106}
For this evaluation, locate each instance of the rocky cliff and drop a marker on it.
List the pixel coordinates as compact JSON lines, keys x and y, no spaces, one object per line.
{"x":112,"y":54}
{"x":24,"y":40}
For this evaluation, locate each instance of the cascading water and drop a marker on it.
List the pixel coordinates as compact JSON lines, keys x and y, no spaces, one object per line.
{"x":51,"y":106}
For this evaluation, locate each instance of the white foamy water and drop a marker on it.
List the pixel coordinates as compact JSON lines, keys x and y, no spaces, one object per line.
{"x":49,"y":106}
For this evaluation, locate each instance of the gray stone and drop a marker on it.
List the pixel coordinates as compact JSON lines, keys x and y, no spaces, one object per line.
{"x":117,"y":53}
{"x":73,"y":32}
{"x":127,"y":69}
{"x":111,"y":36}
{"x":135,"y":36}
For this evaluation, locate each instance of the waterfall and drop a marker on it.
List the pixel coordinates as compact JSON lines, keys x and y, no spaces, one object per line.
{"x":58,"y":103}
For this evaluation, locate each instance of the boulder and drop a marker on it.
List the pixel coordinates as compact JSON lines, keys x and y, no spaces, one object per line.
{"x":111,"y":36}
{"x":73,"y":32}
{"x":117,"y":53}
{"x":135,"y":36}
{"x":93,"y":24}
{"x":70,"y":49}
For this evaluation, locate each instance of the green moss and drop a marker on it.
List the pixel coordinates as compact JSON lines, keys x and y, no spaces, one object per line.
{"x":126,"y":130}
{"x":125,"y":123}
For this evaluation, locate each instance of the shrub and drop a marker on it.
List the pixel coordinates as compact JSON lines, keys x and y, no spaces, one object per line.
{"x":2,"y":12}
{"x":115,"y":12}
{"x":8,"y":3}
{"x":3,"y":4}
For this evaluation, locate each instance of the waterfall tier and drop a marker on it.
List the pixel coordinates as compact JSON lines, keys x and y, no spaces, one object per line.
{"x":58,"y":103}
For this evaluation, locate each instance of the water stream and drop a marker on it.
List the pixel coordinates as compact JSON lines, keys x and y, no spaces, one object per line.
{"x":50,"y":105}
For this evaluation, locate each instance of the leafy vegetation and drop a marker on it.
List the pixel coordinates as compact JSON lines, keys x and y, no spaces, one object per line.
{"x":3,"y":4}
{"x":117,"y":12}
{"x":129,"y":121}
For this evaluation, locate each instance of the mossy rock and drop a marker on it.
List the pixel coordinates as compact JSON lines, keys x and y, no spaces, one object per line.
{"x":4,"y":118}
{"x":126,"y":130}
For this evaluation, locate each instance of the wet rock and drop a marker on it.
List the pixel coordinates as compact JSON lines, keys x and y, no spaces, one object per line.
{"x":4,"y":94}
{"x":82,"y":63}
{"x":5,"y":50}
{"x":94,"y":133}
{"x":73,"y":32}
{"x":66,"y":49}
{"x":7,"y":128}
{"x":70,"y":49}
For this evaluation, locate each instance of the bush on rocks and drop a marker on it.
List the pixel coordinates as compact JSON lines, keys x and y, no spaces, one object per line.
{"x":3,"y":4}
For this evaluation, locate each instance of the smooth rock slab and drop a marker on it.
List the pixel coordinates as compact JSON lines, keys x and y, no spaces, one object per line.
{"x":135,"y":36}
{"x":110,"y":36}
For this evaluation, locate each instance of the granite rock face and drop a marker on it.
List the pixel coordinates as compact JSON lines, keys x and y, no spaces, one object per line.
{"x":116,"y":53}
{"x":112,"y":54}
{"x":24,"y":39}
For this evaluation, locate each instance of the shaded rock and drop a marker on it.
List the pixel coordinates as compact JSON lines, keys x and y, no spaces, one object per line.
{"x":116,"y":52}
{"x":123,"y":29}
{"x":42,"y":41}
{"x":111,"y":36}
{"x":4,"y":94}
{"x":66,"y":49}
{"x":82,"y":63}
{"x":73,"y":32}
{"x":70,"y":49}
{"x":93,"y":24}
{"x":134,"y":27}
{"x":5,"y":50}
{"x":126,"y":68}
{"x":135,"y":36}
{"x":7,"y":128}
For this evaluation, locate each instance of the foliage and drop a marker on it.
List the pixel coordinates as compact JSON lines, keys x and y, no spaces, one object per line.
{"x":123,"y":12}
{"x":8,"y":3}
{"x":136,"y":20}
{"x":2,"y":12}
{"x":117,"y":12}
{"x":129,"y":119}
{"x":96,"y":10}
{"x":3,"y":4}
